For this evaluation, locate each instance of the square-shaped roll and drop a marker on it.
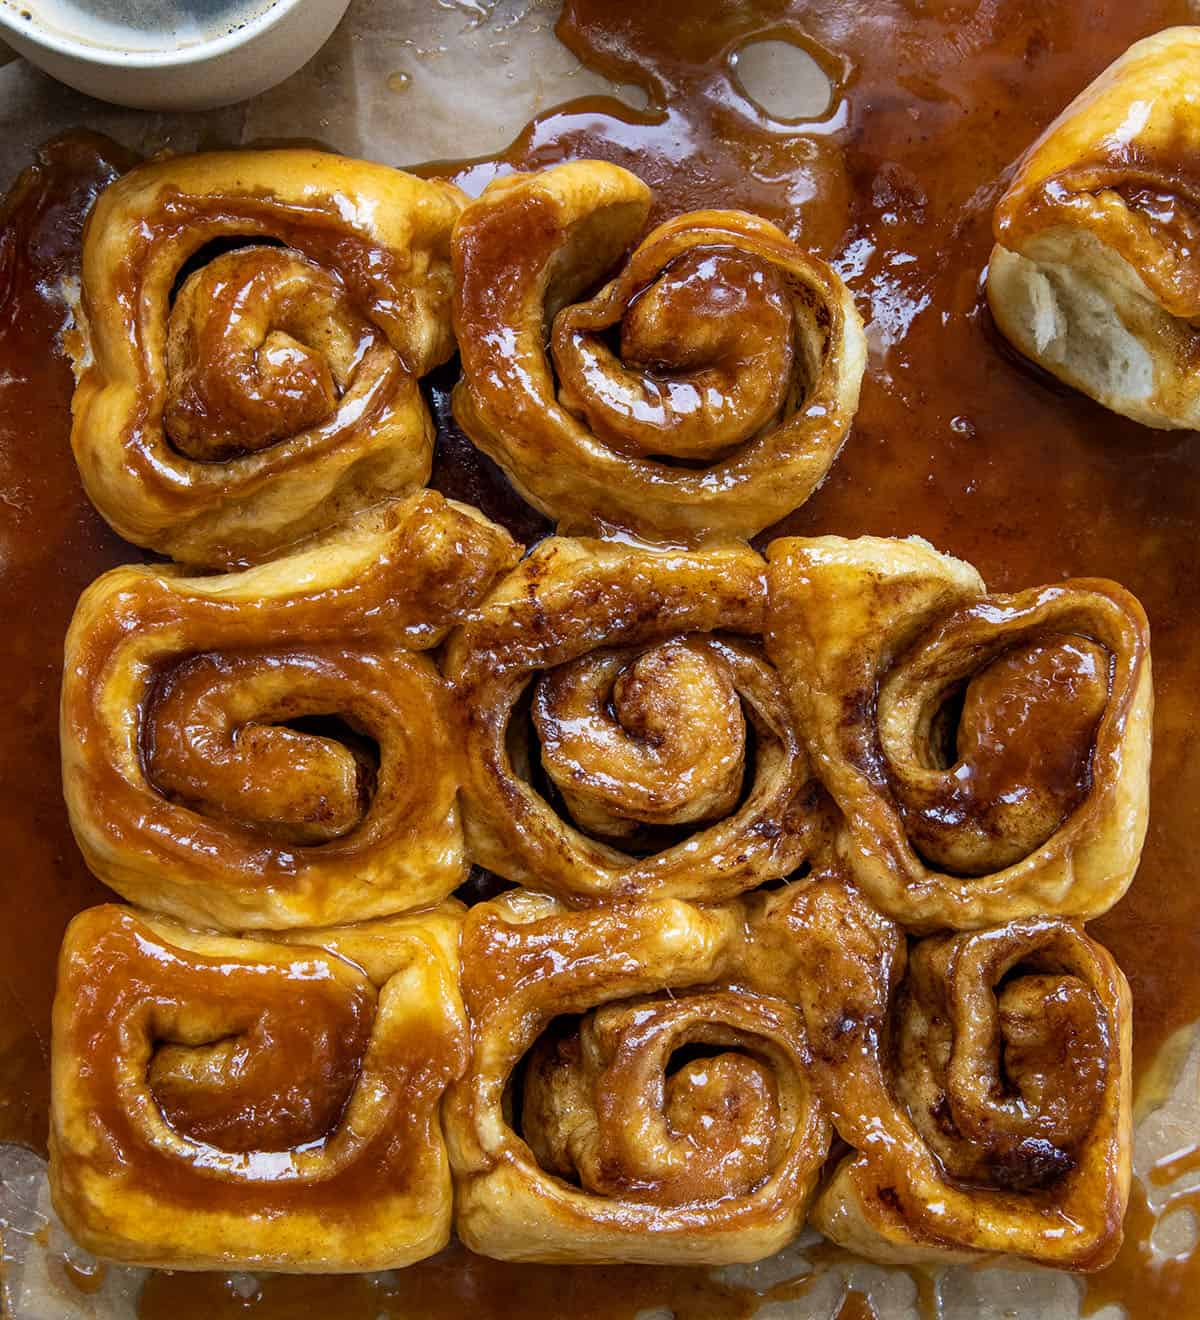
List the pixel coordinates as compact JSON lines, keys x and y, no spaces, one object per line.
{"x":266,"y":1103}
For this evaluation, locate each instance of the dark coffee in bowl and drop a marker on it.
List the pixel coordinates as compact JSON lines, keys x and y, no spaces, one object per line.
{"x":150,"y":25}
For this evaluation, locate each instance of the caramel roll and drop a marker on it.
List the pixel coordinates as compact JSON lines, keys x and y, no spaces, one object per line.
{"x":1094,"y":275}
{"x":255,"y":1103}
{"x":625,"y":733}
{"x":625,"y":1100}
{"x":989,"y":753}
{"x":707,"y":388}
{"x":986,"y":1096}
{"x":227,"y":411}
{"x":269,"y":747}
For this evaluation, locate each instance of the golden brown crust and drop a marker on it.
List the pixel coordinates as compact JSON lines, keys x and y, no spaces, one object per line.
{"x":741,"y":357}
{"x":280,"y":392}
{"x":1094,"y":274}
{"x":712,"y":1164}
{"x":671,"y":764}
{"x":986,"y":1096}
{"x":187,"y":789}
{"x":258,"y":1103}
{"x":1032,"y":798}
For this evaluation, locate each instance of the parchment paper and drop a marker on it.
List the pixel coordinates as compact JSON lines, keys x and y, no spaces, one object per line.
{"x":405,"y":81}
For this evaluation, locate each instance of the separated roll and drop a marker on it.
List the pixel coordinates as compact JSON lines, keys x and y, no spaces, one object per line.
{"x":1095,"y":275}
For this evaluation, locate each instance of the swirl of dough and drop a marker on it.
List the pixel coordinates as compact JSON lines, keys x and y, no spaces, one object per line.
{"x":625,"y":733}
{"x":270,"y":747}
{"x":985,"y":1095}
{"x":266,"y":1103}
{"x":989,"y":754}
{"x":226,"y":412}
{"x":1004,"y":1050}
{"x":707,"y":388}
{"x":1094,"y":273}
{"x":666,"y":1114}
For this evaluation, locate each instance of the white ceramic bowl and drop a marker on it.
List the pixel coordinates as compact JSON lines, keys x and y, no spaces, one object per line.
{"x":229,"y":67}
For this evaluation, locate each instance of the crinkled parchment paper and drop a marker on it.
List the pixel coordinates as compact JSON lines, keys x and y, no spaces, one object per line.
{"x":404,"y":81}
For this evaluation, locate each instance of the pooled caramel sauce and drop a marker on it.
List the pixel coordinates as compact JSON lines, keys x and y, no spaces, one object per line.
{"x":956,"y":440}
{"x":51,"y":545}
{"x":456,"y":1284}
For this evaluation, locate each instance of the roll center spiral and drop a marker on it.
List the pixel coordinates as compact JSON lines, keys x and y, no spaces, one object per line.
{"x":706,"y":358}
{"x":665,"y":1102}
{"x":650,"y":737}
{"x":261,"y":345}
{"x":241,"y":1075}
{"x":993,"y":778}
{"x":218,"y":740}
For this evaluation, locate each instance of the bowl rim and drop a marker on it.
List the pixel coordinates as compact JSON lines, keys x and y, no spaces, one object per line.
{"x":13,"y":20}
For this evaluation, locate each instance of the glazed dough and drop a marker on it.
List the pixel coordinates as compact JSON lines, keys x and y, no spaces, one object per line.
{"x":1094,"y":275}
{"x":619,"y":1161}
{"x":731,"y":389}
{"x":226,"y":412}
{"x":985,"y":1094}
{"x":263,"y":1103}
{"x":626,"y":736}
{"x":989,"y":753}
{"x":191,"y":787}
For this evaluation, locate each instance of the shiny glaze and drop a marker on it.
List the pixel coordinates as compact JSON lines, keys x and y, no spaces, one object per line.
{"x":53,"y":545}
{"x":1018,"y":759}
{"x":254,"y":1091}
{"x":1012,"y":1141}
{"x":304,"y":1016}
{"x":176,"y":700}
{"x":873,"y":638}
{"x":954,"y":440}
{"x":178,"y":430}
{"x":658,"y":441}
{"x":614,"y":630}
{"x":613,"y":1153}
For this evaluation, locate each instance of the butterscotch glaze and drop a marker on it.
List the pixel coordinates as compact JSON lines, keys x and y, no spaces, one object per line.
{"x":324,"y":1153}
{"x":713,"y":417}
{"x":52,"y":546}
{"x":1021,"y":751}
{"x":954,"y":440}
{"x":274,"y":391}
{"x":610,"y":641}
{"x":181,"y":697}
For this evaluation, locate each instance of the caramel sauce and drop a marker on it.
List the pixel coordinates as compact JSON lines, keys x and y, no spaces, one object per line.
{"x":51,"y":546}
{"x":1146,"y":1284}
{"x":856,"y":1306}
{"x":956,"y":440}
{"x":456,"y":1284}
{"x":87,"y":1279}
{"x":1167,"y":1171}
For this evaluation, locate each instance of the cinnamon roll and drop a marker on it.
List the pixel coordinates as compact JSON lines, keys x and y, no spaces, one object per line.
{"x":706,"y":389}
{"x":986,"y":1096}
{"x":226,"y":411}
{"x":256,"y":1103}
{"x":1094,"y":274}
{"x":625,"y":733}
{"x":625,"y":1100}
{"x":989,"y":753}
{"x":271,"y":747}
